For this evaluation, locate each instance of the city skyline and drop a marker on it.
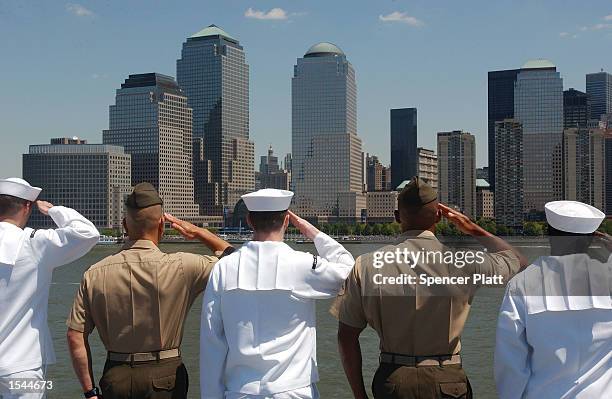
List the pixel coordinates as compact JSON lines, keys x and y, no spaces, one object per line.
{"x":383,"y":81}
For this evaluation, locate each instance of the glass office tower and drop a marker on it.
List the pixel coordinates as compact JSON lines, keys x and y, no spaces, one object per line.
{"x":500,"y":107}
{"x":599,"y":88}
{"x":327,"y":164}
{"x":538,"y":106}
{"x":404,"y":157}
{"x":214,"y":75}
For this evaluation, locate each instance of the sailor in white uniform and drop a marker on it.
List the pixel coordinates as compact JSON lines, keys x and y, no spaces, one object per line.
{"x":554,"y":334}
{"x":258,"y":318}
{"x":27,"y":260}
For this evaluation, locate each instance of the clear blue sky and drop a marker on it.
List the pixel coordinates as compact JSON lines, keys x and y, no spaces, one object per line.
{"x":61,"y":62}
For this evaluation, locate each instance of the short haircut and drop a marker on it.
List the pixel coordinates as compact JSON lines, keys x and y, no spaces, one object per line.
{"x":10,"y":205}
{"x":145,"y":220}
{"x":418,"y":217}
{"x":576,"y":242}
{"x":267,"y":221}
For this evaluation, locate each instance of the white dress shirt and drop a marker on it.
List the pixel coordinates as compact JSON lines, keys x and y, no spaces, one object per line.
{"x":27,"y":260}
{"x":258,"y":333}
{"x":554,"y":333}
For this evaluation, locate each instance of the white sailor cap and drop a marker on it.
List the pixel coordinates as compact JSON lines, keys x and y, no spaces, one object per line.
{"x":268,"y":200}
{"x":573,"y":216}
{"x":19,"y":188}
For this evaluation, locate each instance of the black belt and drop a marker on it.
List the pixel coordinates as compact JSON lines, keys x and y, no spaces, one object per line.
{"x":143,"y":356}
{"x":419,"y":361}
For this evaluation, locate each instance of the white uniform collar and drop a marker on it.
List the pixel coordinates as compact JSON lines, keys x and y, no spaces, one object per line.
{"x":262,"y":265}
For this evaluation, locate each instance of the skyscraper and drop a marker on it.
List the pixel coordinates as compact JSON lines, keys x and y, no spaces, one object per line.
{"x":327,"y":164}
{"x":509,"y":173}
{"x":484,"y":200}
{"x":599,"y":88}
{"x":584,"y":162}
{"x":576,"y":108}
{"x":214,"y":76}
{"x":500,"y":107}
{"x":91,"y":178}
{"x":427,"y":167}
{"x":404,"y":157}
{"x":538,"y":105}
{"x":457,"y":170}
{"x":608,"y":171}
{"x":151,"y":120}
{"x":270,"y":174}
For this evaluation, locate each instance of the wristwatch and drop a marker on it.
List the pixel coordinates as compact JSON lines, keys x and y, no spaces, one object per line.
{"x":94,"y":392}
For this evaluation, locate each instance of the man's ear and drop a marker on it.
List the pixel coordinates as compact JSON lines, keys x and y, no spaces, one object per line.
{"x":125,"y":228}
{"x":438,"y":216}
{"x":286,"y":222}
{"x":248,"y":219}
{"x":397,"y":216}
{"x":161,"y":227}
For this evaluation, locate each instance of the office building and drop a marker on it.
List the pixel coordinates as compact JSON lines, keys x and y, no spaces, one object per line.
{"x":584,"y":162}
{"x":599,"y":89}
{"x":327,"y":161}
{"x":509,"y":174}
{"x":270,"y":174}
{"x":484,"y":200}
{"x":427,"y":167}
{"x":576,"y":108}
{"x":457,"y":171}
{"x":483,"y":173}
{"x":151,"y":120}
{"x":404,"y":157}
{"x":377,"y":175}
{"x":608,"y":170}
{"x":381,"y":206}
{"x":213,"y":74}
{"x":94,"y":179}
{"x":538,"y":105}
{"x":500,"y":107}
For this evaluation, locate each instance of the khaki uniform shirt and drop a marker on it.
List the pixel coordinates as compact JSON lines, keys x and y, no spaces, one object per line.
{"x":410,"y":319}
{"x":139,"y":298}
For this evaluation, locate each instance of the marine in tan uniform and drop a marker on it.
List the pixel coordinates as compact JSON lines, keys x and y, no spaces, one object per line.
{"x":419,"y":325}
{"x":138,"y":300}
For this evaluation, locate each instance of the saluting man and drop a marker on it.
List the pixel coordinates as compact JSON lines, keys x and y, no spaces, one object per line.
{"x":138,"y":300}
{"x":554,"y":333}
{"x":419,"y":327}
{"x":258,"y":318}
{"x":27,"y":260}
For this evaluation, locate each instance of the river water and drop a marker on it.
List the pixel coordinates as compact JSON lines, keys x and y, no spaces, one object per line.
{"x":478,"y":338}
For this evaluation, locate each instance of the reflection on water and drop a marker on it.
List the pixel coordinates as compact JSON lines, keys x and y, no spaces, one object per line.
{"x":478,"y":337}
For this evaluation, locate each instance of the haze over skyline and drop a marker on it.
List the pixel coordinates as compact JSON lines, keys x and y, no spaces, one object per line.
{"x":64,"y":61}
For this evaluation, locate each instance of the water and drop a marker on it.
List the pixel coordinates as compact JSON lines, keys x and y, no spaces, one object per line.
{"x":478,"y":337}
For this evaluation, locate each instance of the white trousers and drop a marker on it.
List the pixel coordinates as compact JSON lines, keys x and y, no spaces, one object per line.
{"x":309,"y":392}
{"x":18,"y":378}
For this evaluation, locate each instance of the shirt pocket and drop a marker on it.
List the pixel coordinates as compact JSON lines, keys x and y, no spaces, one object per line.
{"x":455,"y":390}
{"x":167,"y":383}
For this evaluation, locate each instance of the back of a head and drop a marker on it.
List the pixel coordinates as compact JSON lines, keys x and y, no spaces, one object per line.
{"x":143,"y":222}
{"x":417,"y":205}
{"x":11,"y":206}
{"x":268,"y":209}
{"x":563,"y":243}
{"x":267,"y":222}
{"x":571,"y":226}
{"x":144,"y":212}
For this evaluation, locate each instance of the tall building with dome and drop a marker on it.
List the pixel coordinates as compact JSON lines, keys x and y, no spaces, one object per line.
{"x":214,"y":75}
{"x":327,"y":162}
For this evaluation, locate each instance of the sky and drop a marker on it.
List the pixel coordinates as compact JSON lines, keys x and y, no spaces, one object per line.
{"x":61,"y":62}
